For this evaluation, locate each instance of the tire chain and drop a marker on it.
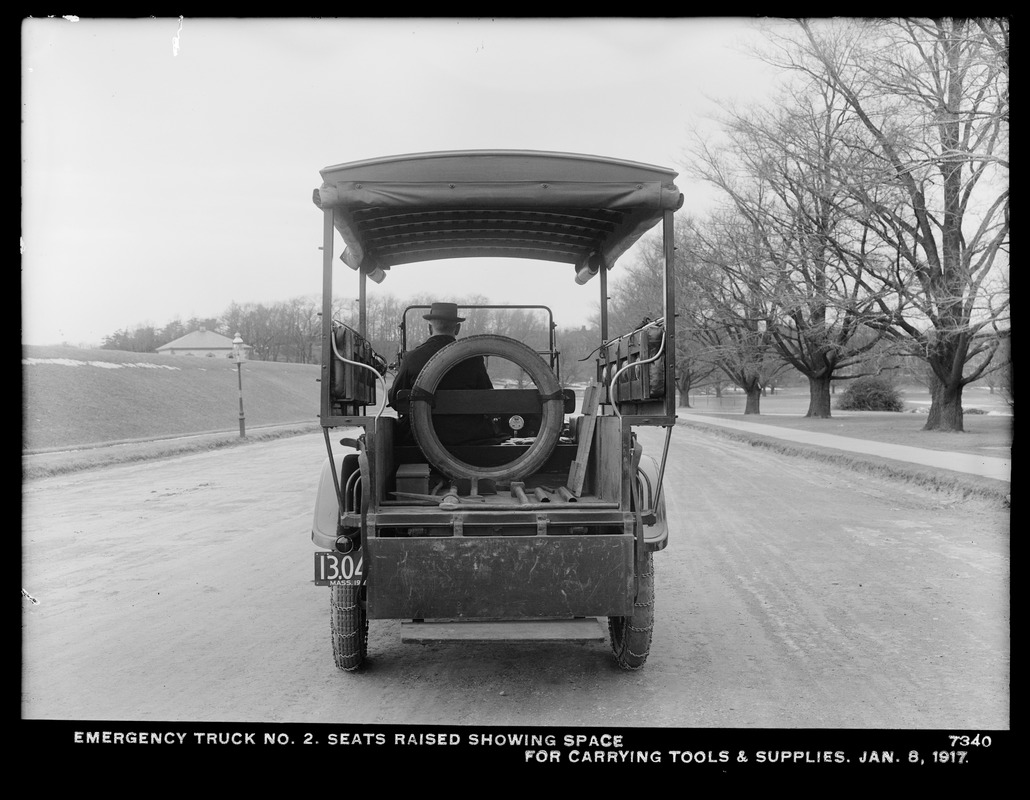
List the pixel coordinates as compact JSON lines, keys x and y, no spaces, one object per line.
{"x":624,"y":650}
{"x":336,"y":611}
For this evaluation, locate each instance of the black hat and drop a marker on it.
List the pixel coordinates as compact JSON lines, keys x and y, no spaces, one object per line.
{"x":444,"y":311}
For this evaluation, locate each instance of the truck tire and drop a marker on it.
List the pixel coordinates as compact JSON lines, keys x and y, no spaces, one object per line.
{"x":488,"y":345}
{"x":348,"y":622}
{"x":631,"y":636}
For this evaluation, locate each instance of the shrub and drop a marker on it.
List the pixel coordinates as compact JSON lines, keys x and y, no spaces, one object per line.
{"x":870,"y":394}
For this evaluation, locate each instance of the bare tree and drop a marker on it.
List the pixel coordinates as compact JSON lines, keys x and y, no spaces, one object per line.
{"x":722,"y":313}
{"x":932,"y":95}
{"x":257,"y":326}
{"x":637,"y":296}
{"x":577,"y":348}
{"x":141,"y":339}
{"x":732,"y":308}
{"x":300,"y":329}
{"x":826,"y":281}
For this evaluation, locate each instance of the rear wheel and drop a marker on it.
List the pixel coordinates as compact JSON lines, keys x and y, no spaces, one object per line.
{"x":348,"y":622}
{"x":631,"y":636}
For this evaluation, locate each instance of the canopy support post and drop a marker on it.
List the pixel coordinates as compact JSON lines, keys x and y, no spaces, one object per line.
{"x":669,"y":233}
{"x":327,"y":310}
{"x":362,"y":317}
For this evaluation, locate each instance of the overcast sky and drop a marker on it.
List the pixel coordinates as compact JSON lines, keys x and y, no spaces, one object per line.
{"x":168,"y":164}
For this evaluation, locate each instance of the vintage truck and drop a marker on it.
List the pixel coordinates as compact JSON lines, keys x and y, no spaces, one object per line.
{"x":549,"y":528}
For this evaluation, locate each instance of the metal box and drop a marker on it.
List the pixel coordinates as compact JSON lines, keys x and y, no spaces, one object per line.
{"x":413,"y":478}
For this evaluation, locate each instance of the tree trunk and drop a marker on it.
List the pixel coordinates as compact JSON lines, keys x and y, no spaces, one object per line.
{"x":945,"y":406}
{"x":684,"y":392}
{"x":819,"y":397}
{"x":754,"y":400}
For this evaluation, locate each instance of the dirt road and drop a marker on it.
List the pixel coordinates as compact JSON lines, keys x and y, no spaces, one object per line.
{"x":792,"y":594}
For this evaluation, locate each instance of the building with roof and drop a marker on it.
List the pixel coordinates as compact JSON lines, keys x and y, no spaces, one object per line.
{"x":202,"y":342}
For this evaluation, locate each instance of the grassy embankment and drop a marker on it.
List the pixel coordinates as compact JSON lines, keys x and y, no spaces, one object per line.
{"x":89,"y":408}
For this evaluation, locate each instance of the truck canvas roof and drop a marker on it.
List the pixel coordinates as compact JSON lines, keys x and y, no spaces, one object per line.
{"x":568,"y":208}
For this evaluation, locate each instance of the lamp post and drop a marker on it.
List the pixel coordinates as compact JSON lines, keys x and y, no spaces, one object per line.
{"x":237,"y":354}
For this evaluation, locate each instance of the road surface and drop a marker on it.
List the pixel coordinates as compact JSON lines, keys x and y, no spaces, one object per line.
{"x":793,"y":594}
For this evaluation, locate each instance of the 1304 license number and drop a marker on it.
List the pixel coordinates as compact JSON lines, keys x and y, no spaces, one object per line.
{"x":338,"y":568}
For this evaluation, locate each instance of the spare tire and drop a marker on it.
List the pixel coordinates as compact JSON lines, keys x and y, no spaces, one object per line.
{"x":440,"y":364}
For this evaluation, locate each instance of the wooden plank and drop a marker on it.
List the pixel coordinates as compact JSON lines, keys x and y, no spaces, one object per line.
{"x":382,"y":457}
{"x":577,"y":472}
{"x":611,"y":467}
{"x":587,"y":629}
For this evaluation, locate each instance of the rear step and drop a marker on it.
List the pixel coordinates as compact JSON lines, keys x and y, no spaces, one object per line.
{"x":584,"y":629}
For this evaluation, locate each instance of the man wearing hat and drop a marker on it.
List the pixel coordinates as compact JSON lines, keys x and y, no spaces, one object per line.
{"x":444,"y":324}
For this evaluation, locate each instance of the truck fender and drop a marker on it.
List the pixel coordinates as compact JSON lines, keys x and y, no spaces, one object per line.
{"x":656,"y":533}
{"x":327,"y":506}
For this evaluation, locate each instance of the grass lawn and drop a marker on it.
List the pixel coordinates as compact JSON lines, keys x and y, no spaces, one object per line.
{"x":987,"y":434}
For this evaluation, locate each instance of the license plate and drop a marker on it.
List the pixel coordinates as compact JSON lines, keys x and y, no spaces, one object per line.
{"x":338,"y":569}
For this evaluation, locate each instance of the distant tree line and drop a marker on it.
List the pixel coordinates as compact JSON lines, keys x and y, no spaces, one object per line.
{"x":146,"y":338}
{"x":290,"y":331}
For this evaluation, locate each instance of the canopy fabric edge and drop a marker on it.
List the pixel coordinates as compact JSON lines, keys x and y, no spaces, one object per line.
{"x":636,"y":199}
